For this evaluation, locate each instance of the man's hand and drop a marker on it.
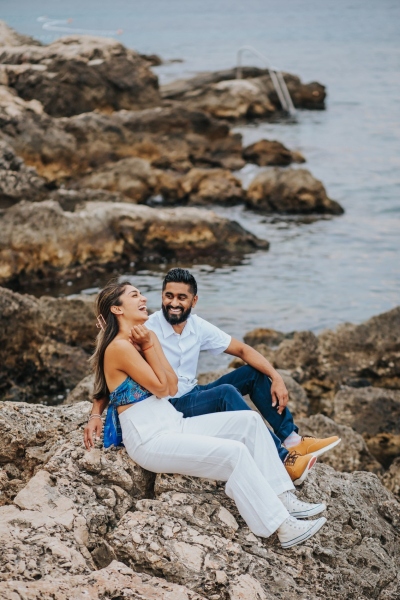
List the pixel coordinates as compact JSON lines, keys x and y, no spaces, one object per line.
{"x":92,"y":431}
{"x":280,"y":395}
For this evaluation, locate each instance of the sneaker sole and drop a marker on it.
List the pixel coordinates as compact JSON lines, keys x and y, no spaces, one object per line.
{"x":319,"y":508}
{"x":306,"y":535}
{"x":306,"y":471}
{"x":323,"y":450}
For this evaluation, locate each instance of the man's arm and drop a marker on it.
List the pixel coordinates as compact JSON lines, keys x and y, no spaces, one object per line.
{"x":95,"y":425}
{"x":253,"y":358}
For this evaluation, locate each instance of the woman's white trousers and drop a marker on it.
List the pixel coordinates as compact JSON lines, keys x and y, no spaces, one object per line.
{"x":235,"y":447}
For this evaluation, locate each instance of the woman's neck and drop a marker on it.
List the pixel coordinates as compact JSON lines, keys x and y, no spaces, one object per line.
{"x":126,"y":326}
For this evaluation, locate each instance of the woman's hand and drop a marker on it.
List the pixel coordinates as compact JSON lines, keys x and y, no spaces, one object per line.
{"x":92,"y":431}
{"x":140,"y":337}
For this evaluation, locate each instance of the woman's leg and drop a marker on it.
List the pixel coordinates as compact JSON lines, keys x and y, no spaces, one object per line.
{"x":249,"y":428}
{"x":217,"y":458}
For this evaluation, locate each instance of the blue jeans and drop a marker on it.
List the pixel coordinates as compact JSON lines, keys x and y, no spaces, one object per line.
{"x":226,"y":393}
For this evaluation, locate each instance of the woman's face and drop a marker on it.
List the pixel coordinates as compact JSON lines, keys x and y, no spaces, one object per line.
{"x":133,"y":305}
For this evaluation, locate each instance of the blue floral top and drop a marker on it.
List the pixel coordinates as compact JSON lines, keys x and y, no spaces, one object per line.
{"x":127,"y":392}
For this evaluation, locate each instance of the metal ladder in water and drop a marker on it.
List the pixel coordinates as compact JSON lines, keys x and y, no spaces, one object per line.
{"x":276,"y":78}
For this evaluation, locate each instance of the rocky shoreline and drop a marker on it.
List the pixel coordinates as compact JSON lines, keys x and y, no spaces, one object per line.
{"x":79,"y":166}
{"x":119,"y":138}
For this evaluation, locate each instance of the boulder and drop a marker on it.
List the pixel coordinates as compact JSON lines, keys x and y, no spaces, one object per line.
{"x":212,"y":186}
{"x":254,"y":95}
{"x":41,"y":239}
{"x":169,"y":138}
{"x":17,"y":181}
{"x":374,"y":413}
{"x":352,"y":355}
{"x":352,"y":454}
{"x":263,"y":335}
{"x":83,"y":392}
{"x":291,"y":191}
{"x":82,"y":511}
{"x":266,"y":153}
{"x":190,"y":536}
{"x":110,"y":582}
{"x":131,"y":177}
{"x":298,"y":401}
{"x":391,"y":478}
{"x":78,"y":74}
{"x":30,"y":434}
{"x":232,"y":99}
{"x":44,"y":345}
{"x":10,"y":37}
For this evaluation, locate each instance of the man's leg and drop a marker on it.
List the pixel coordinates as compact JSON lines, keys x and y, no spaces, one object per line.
{"x":248,"y":380}
{"x":204,"y":400}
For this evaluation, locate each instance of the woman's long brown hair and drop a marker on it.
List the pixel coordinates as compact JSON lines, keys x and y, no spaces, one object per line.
{"x":108,"y":297}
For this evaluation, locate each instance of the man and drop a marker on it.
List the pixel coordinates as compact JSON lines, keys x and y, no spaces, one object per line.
{"x":183,"y":336}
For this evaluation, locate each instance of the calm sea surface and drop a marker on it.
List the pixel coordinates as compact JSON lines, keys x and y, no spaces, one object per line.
{"x":318,"y":274}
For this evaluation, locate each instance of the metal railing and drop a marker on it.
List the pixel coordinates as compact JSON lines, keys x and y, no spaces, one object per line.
{"x":276,"y":78}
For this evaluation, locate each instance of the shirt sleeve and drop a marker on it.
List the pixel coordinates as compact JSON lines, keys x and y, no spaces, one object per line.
{"x":212,"y":338}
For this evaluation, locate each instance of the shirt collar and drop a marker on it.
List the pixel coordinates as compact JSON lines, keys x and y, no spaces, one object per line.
{"x":168,"y":330}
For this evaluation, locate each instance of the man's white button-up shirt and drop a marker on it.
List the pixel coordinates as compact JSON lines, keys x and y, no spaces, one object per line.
{"x":182,"y":350}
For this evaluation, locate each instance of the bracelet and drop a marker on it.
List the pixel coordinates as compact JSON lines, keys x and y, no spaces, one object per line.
{"x":94,"y":417}
{"x":148,"y":348}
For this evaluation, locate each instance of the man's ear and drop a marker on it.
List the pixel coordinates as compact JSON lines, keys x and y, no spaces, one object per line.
{"x":194,"y":301}
{"x":117,"y":310}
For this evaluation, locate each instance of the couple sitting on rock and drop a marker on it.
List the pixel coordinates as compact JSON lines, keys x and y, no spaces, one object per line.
{"x":169,"y":424}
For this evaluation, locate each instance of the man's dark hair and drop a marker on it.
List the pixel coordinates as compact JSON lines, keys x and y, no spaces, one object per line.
{"x":181,"y":276}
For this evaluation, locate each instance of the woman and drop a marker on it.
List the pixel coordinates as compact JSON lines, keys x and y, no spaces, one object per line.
{"x":133,"y":373}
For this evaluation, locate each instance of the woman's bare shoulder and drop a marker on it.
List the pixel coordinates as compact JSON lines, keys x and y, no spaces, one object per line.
{"x":120,"y":344}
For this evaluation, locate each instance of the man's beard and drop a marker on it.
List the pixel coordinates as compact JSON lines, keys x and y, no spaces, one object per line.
{"x":176,"y":319}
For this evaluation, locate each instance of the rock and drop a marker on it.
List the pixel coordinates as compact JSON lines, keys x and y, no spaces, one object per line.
{"x":78,"y":74}
{"x":70,"y":200}
{"x":42,"y":238}
{"x":374,"y":413}
{"x":210,"y":376}
{"x":30,"y":434}
{"x":290,"y":191}
{"x":270,"y":153}
{"x":232,"y":99}
{"x":169,"y":138}
{"x":83,"y":392}
{"x":352,"y":355}
{"x":298,"y":402}
{"x":42,"y":345}
{"x":9,"y":37}
{"x":391,"y":479}
{"x":17,"y":181}
{"x":262,"y":335}
{"x":350,"y":455}
{"x":110,"y":582}
{"x":81,"y":511}
{"x":132,"y":177}
{"x":39,"y":139}
{"x":185,"y":536}
{"x":212,"y":186}
{"x":223,"y":95}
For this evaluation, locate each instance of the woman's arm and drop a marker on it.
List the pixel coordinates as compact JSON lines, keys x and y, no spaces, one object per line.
{"x":147,"y":370}
{"x":170,"y":373}
{"x":94,"y":425}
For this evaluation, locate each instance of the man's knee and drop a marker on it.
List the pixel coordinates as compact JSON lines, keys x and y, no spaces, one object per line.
{"x":231,"y":399}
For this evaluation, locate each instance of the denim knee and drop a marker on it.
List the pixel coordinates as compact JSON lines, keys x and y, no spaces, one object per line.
{"x":231,"y":398}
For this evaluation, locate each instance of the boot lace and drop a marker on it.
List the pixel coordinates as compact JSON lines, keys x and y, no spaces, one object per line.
{"x":291,"y":458}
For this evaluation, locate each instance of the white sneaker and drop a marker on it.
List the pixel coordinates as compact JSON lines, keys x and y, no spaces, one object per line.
{"x":293,"y":532}
{"x":297,"y":508}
